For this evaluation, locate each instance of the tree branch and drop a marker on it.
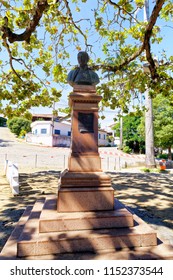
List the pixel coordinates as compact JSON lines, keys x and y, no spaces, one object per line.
{"x":12,"y":37}
{"x":72,"y":20}
{"x":122,"y":9}
{"x":144,"y":47}
{"x":11,"y":59}
{"x":42,"y":5}
{"x":152,"y":21}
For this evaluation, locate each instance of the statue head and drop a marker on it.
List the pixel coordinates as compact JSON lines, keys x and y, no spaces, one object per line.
{"x":82,"y":75}
{"x":83,"y":58}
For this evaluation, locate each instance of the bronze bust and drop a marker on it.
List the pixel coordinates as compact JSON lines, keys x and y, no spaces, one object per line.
{"x":82,"y":75}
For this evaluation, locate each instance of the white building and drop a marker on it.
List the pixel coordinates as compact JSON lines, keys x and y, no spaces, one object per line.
{"x":102,"y":138}
{"x":50,"y":133}
{"x":112,"y":132}
{"x":57,"y":133}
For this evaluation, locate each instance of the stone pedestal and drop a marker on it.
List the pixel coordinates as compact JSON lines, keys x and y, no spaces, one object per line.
{"x":84,"y":184}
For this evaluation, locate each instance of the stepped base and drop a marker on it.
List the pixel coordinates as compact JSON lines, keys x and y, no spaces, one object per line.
{"x":52,"y":221}
{"x":26,"y":242}
{"x":32,"y":242}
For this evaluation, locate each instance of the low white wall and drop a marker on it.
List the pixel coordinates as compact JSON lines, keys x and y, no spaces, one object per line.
{"x":45,"y":140}
{"x":61,"y":141}
{"x":12,"y":175}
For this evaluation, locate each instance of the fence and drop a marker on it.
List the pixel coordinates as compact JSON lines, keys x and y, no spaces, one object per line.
{"x":60,"y":162}
{"x":36,"y":161}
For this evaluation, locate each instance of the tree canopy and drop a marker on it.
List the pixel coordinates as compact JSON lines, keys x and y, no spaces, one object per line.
{"x":39,"y":38}
{"x":131,"y":133}
{"x":3,"y":121}
{"x":19,"y":126}
{"x":134,"y":125}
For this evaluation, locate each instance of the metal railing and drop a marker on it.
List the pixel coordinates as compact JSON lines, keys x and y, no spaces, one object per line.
{"x":60,"y":162}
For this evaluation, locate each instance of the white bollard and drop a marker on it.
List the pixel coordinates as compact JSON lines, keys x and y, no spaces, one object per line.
{"x":9,"y":171}
{"x":12,"y":175}
{"x":15,"y":179}
{"x":5,"y":166}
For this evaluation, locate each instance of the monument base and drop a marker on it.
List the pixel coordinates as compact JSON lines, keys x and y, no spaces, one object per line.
{"x":70,"y":179}
{"x":42,"y":233}
{"x":85,"y":191}
{"x":52,"y":221}
{"x":85,"y":199}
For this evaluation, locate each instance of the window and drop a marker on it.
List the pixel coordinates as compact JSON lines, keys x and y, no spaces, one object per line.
{"x":69,"y":133}
{"x":99,"y":136}
{"x":57,"y":131}
{"x":35,"y":132}
{"x":43,"y":131}
{"x":104,"y":136}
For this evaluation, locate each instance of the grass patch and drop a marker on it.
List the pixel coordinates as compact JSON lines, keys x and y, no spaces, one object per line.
{"x":155,"y":170}
{"x":145,"y":169}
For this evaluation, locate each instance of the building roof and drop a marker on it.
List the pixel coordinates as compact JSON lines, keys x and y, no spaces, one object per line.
{"x":42,"y":116}
{"x":102,"y":130}
{"x":47,"y":117}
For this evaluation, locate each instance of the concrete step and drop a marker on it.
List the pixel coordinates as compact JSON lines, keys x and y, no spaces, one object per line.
{"x":52,"y":221}
{"x":9,"y":250}
{"x":49,"y":244}
{"x":33,"y":243}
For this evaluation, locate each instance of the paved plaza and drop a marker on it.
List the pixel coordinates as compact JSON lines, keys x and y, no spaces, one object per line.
{"x":149,"y":195}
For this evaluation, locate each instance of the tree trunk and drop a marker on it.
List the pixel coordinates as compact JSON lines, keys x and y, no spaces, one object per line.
{"x":169,"y":153}
{"x":149,"y":133}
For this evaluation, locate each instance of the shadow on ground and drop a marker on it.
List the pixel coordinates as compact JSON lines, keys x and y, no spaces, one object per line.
{"x":4,"y":143}
{"x":32,"y":186}
{"x":147,"y":195}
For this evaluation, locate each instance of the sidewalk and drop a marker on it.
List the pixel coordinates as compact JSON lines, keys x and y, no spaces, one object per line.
{"x":149,"y":195}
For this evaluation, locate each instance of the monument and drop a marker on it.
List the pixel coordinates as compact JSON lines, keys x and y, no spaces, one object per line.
{"x":84,"y":216}
{"x":83,"y":183}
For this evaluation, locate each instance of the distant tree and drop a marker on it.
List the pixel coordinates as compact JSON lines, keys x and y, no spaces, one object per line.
{"x":18,"y":125}
{"x":131,"y":135}
{"x":163,"y":123}
{"x":2,"y":121}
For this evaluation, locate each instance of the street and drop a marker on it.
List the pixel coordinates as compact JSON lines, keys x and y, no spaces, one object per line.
{"x":29,"y":156}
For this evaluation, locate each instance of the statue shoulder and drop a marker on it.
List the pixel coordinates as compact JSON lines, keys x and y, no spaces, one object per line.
{"x":72,"y":74}
{"x":94,"y":77}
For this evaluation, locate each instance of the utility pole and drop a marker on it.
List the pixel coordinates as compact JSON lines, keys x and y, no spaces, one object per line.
{"x":121,"y":132}
{"x":149,"y":128}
